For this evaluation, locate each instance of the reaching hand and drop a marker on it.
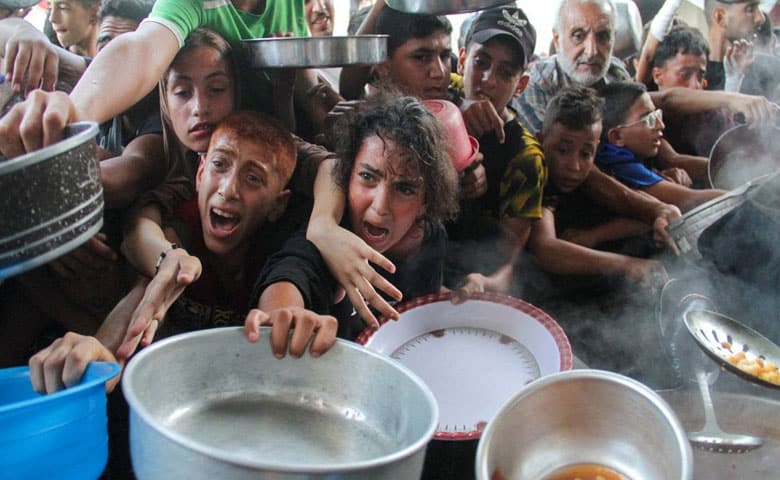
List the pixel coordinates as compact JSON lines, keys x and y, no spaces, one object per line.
{"x":35,"y":123}
{"x":678,"y":176}
{"x":30,"y":59}
{"x":665,"y":213}
{"x":756,"y":109}
{"x":481,"y":117}
{"x":649,"y":274}
{"x":62,"y":364}
{"x":177,"y":271}
{"x":348,"y":257}
{"x":304,"y":324}
{"x":473,"y":183}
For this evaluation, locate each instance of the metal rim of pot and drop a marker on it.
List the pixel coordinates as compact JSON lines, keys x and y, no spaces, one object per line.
{"x":137,"y":407}
{"x":90,"y":130}
{"x":45,"y":153}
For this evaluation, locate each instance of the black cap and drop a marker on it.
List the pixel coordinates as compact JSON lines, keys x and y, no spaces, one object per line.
{"x":14,"y":4}
{"x":508,"y":21}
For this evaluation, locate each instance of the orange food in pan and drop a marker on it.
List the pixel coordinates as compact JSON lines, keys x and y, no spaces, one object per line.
{"x":752,"y":365}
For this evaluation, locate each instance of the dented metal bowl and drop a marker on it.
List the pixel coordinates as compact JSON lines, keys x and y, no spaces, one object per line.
{"x":52,"y":201}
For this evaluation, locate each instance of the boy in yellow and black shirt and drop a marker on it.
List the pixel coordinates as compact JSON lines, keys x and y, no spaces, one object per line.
{"x":492,"y":64}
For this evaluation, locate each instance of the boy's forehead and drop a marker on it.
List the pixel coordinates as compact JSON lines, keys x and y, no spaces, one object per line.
{"x":229,"y":142}
{"x":587,"y":134}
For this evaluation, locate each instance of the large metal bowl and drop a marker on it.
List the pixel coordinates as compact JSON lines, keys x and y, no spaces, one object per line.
{"x":209,"y":405}
{"x":585,"y":417}
{"x":443,"y":7}
{"x":52,"y":201}
{"x":308,"y":52}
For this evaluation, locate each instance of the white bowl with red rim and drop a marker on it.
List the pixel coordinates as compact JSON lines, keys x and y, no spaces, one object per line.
{"x":473,"y":356}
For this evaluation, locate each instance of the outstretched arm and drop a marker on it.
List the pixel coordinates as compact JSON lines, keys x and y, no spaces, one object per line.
{"x":559,"y":256}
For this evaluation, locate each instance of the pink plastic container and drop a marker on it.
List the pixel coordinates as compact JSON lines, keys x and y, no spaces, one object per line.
{"x":462,"y":147}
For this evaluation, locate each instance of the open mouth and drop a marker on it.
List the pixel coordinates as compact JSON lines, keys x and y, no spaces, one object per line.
{"x":223,"y":223}
{"x":375,"y":233}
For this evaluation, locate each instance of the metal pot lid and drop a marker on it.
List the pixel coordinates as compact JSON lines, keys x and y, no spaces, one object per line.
{"x":443,"y":7}
{"x":316,"y":52}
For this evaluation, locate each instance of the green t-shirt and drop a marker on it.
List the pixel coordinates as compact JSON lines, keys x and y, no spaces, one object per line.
{"x":281,"y":17}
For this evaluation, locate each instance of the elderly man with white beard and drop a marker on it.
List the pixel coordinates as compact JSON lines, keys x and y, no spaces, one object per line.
{"x":584,"y":36}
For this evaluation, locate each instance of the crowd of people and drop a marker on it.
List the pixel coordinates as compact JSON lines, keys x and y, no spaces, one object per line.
{"x":314,"y":200}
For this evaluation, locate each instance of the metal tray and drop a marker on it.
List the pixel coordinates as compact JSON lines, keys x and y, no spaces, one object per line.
{"x":444,"y":7}
{"x":310,"y":52}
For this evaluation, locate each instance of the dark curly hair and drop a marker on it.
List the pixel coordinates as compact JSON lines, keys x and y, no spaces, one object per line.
{"x":574,"y":107}
{"x":405,"y":121}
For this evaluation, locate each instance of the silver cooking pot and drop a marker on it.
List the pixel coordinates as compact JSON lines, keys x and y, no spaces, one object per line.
{"x":211,"y":405}
{"x":742,"y":154}
{"x":52,"y":200}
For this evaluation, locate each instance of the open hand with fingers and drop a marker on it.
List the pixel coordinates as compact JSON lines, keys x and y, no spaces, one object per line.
{"x":349,"y":259}
{"x":177,"y":270}
{"x":308,"y":329}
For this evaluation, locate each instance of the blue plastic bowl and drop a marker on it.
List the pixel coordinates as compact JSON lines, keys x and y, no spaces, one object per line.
{"x":63,"y":435}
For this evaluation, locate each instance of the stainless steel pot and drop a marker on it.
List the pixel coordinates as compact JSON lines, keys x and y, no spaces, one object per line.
{"x":211,"y":405}
{"x":443,"y":7}
{"x":52,"y":201}
{"x":585,"y":417}
{"x":742,"y":154}
{"x":306,"y":52}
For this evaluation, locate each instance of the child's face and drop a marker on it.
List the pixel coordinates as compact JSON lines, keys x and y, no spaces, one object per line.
{"x":385,"y":196}
{"x":238,"y":189}
{"x":570,"y":153}
{"x":491,"y":71}
{"x":421,"y":66}
{"x":72,"y":22}
{"x":636,"y":135}
{"x":199,"y":94}
{"x":683,"y":70}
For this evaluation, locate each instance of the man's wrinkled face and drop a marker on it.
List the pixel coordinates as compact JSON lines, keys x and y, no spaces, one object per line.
{"x":585,"y":41}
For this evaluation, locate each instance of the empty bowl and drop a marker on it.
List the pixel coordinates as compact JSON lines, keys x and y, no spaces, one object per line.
{"x":63,"y":435}
{"x":585,"y":417}
{"x":209,"y":404}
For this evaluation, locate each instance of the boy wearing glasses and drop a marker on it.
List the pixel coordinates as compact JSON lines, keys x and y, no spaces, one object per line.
{"x":631,"y":136}
{"x":573,"y":222}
